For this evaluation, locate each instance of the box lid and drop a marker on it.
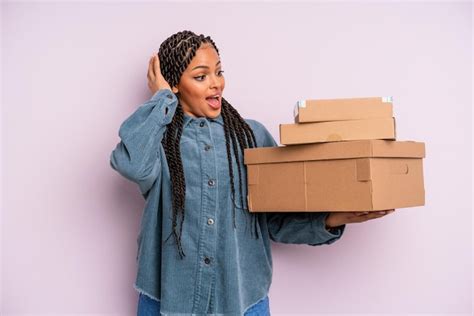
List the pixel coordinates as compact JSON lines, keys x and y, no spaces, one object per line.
{"x":318,"y":110}
{"x":335,"y":150}
{"x":348,"y":130}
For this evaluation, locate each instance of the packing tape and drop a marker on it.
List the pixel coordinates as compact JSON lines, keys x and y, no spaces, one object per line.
{"x":387,"y":99}
{"x":298,"y":105}
{"x":363,"y":170}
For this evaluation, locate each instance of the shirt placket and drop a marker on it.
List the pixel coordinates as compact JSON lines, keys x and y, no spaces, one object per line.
{"x":208,"y":234}
{"x":210,"y":308}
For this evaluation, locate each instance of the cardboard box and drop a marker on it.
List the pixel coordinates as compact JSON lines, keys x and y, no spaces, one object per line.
{"x":380,"y":128}
{"x":364,"y":175}
{"x":342,"y":109}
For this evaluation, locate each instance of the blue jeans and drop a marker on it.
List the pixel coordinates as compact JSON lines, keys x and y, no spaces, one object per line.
{"x":151,"y":307}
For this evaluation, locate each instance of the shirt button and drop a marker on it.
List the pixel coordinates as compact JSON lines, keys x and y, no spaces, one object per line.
{"x":211,"y":182}
{"x":201,"y":124}
{"x":207,"y":147}
{"x":210,"y":221}
{"x":207,"y":260}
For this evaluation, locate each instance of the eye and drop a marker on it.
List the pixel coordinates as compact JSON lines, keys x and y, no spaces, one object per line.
{"x":201,"y":78}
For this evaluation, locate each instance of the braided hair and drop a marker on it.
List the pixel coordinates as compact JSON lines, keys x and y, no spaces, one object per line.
{"x":175,"y":54}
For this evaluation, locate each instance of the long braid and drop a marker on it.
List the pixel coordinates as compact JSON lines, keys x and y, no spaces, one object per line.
{"x":182,"y":186}
{"x":246,"y":139}
{"x":231,"y":171}
{"x":244,"y":126}
{"x":235,"y":140}
{"x":175,"y":54}
{"x":176,"y":169}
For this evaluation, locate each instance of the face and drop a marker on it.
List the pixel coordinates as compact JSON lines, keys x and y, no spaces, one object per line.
{"x":200,"y":83}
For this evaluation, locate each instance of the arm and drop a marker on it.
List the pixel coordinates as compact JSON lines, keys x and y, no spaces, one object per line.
{"x":137,"y":155}
{"x":297,"y":227}
{"x":302,"y":228}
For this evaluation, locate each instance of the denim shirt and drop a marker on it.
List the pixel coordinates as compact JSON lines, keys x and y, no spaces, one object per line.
{"x":225,"y":270}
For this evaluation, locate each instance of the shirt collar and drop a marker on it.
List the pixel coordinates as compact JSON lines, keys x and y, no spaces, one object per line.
{"x":187,"y":119}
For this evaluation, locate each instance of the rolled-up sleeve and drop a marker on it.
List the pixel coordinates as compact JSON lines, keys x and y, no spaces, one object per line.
{"x":302,"y":228}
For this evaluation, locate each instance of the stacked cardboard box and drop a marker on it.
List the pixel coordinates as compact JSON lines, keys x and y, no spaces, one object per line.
{"x":339,"y":155}
{"x":340,"y":120}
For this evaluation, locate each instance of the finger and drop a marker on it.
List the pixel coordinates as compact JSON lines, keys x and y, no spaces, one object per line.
{"x":151,"y":74}
{"x":374,"y":216}
{"x":150,"y":60}
{"x":368,"y":215}
{"x":384,"y":212}
{"x":371,"y":215}
{"x":157,"y":64}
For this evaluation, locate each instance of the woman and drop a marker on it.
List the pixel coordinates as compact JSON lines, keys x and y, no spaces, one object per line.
{"x":184,"y":149}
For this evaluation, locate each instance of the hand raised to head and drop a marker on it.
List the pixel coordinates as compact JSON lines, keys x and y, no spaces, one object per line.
{"x":156,"y":80}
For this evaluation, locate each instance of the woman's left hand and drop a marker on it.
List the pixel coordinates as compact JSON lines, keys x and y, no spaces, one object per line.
{"x":335,"y":219}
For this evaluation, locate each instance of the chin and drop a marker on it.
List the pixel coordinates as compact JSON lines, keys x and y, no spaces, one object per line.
{"x":213,"y":114}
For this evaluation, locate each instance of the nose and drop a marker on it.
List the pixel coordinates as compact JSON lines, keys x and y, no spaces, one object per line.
{"x":215,"y":82}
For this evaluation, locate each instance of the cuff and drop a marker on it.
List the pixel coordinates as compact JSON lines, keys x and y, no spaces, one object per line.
{"x":166,"y":103}
{"x":167,"y":93}
{"x":331,"y":235}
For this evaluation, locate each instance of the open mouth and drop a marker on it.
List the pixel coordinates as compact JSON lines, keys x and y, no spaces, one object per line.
{"x":214,"y":102}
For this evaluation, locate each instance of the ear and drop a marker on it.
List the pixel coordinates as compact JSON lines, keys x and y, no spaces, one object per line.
{"x":175,"y":89}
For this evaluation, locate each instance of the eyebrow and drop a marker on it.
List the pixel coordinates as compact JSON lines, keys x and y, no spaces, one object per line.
{"x":205,"y":66}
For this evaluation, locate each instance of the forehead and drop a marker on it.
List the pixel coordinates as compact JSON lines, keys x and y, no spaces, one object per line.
{"x":206,"y":55}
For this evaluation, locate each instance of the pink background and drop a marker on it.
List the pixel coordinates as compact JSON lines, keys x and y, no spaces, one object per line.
{"x":72,"y":72}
